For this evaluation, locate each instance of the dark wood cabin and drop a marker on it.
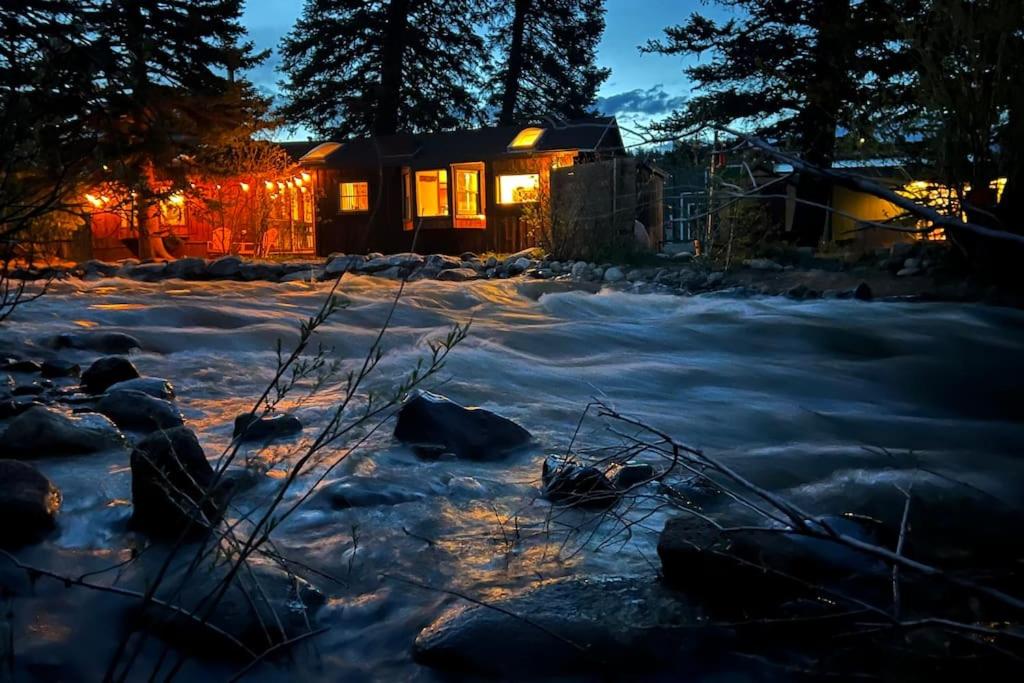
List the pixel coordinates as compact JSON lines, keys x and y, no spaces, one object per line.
{"x":465,"y":190}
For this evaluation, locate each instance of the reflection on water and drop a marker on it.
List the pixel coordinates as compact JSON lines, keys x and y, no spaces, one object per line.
{"x":791,"y":393}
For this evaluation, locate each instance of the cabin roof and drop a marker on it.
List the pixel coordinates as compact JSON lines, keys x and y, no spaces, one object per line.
{"x":427,"y":149}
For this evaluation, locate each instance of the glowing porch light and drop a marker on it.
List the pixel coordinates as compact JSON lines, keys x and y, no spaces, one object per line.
{"x":177,"y":199}
{"x":244,"y":186}
{"x":280,"y":186}
{"x":269,"y":185}
{"x":298,"y":181}
{"x":303,"y":190}
{"x":306,"y":177}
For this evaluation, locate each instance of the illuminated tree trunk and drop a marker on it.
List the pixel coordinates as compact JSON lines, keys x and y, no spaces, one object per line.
{"x":391,"y":79}
{"x":149,"y":211}
{"x":514,"y":70}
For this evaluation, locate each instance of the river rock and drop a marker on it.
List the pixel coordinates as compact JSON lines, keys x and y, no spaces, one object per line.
{"x":633,"y":473}
{"x":29,"y":503}
{"x":26,"y":366}
{"x":762,"y":264}
{"x":578,"y":269}
{"x":567,"y":483}
{"x":435,"y":424}
{"x":614,"y":274}
{"x":170,"y":476}
{"x":133,"y":409}
{"x":360,"y":492}
{"x":224,"y":268}
{"x":305,"y":275}
{"x":60,"y":368}
{"x":101,"y":342}
{"x":863,"y":292}
{"x":154,"y":386}
{"x":107,"y":371}
{"x":30,"y":389}
{"x":16,"y":406}
{"x":587,"y":629}
{"x":189,"y":268}
{"x":148,"y":272}
{"x":695,"y":554}
{"x":405,"y":260}
{"x":260,"y":270}
{"x":249,"y":427}
{"x":343,"y":264}
{"x":457,"y":275}
{"x":40,"y":432}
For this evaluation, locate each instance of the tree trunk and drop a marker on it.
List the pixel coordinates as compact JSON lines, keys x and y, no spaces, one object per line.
{"x":833,"y":55}
{"x":389,"y":101}
{"x":514,"y":68}
{"x":148,"y":212}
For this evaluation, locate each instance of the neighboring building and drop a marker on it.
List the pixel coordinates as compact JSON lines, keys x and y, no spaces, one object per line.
{"x":466,"y":190}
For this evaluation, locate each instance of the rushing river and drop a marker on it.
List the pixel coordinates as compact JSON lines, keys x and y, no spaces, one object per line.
{"x":800,"y":396}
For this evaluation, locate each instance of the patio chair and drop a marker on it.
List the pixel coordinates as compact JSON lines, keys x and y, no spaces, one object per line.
{"x":267,"y":241}
{"x":220,"y":241}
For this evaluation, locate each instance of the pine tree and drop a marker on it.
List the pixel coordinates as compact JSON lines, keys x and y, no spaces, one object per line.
{"x":545,"y":59}
{"x":798,"y":72}
{"x":355,"y":67}
{"x":168,"y":73}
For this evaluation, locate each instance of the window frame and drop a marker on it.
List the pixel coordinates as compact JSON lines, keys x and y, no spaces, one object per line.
{"x":447,"y":196}
{"x":497,"y":189}
{"x":342,"y":196}
{"x":479,"y":218}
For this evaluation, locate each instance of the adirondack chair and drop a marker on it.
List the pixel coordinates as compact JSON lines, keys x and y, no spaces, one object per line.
{"x":220,"y":241}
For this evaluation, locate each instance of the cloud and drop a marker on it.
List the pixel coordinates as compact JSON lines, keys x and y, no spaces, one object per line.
{"x":653,"y":101}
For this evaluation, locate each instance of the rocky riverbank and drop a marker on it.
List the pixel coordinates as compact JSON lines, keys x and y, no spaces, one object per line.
{"x":906,"y":271}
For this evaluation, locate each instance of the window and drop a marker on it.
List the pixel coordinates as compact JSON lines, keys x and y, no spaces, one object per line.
{"x":518,"y":189}
{"x":469,"y":197}
{"x":526,"y":138}
{"x":432,"y":193}
{"x":354,"y":196}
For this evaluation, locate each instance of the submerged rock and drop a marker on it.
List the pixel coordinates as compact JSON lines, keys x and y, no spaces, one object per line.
{"x":602,"y":629}
{"x":102,"y":342}
{"x":17,"y":406}
{"x":863,"y":292}
{"x":28,"y":366}
{"x":434,"y":424}
{"x":170,"y":477}
{"x":29,"y":503}
{"x":632,"y":474}
{"x":154,"y":386}
{"x":107,"y":371}
{"x":249,"y":427}
{"x":40,"y":431}
{"x":60,"y":368}
{"x":567,"y":483}
{"x":132,"y":409}
{"x":359,"y":492}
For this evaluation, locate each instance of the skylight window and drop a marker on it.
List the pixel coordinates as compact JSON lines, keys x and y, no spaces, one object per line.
{"x":526,"y":138}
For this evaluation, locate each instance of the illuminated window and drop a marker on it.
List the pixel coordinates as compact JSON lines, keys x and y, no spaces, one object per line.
{"x":354,"y":196}
{"x":432,"y":193}
{"x":526,"y":138}
{"x":468,"y":200}
{"x":518,"y":189}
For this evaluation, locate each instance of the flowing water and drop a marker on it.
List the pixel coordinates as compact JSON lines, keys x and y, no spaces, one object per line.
{"x":800,"y":396}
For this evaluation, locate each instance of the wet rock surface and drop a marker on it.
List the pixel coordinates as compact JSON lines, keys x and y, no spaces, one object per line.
{"x":133,"y":409}
{"x":29,"y":503}
{"x":154,"y":386}
{"x":249,"y":427}
{"x":357,"y":492}
{"x":571,"y":484}
{"x":41,"y":432}
{"x":433,"y":424}
{"x":170,"y":477}
{"x":107,"y":371}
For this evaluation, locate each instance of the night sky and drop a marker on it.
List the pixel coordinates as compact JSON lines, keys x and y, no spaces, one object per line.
{"x":641,"y":87}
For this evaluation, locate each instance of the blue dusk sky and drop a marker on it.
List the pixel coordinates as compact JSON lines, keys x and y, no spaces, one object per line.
{"x":641,"y":88}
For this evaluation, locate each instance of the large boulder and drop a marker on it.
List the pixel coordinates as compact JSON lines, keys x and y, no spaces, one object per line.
{"x":171,"y":485}
{"x":458,"y":275}
{"x":60,"y":368}
{"x":587,"y":629}
{"x":132,"y":409}
{"x":249,"y":427}
{"x":189,"y":268}
{"x":107,"y":371}
{"x":225,"y":268}
{"x":29,"y":503}
{"x":260,"y":270}
{"x":343,"y":264}
{"x":434,"y":424}
{"x":154,"y":386}
{"x":40,"y":431}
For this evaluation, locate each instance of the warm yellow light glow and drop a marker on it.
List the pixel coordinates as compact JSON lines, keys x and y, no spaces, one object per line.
{"x":269,"y":185}
{"x":467,"y":191}
{"x":999,"y":184}
{"x":303,"y":190}
{"x":298,"y":181}
{"x":177,"y":199}
{"x":518,"y":189}
{"x":432,"y":193}
{"x":526,"y":138}
{"x":105,"y":199}
{"x":280,"y":186}
{"x":244,"y":186}
{"x":306,"y":177}
{"x":96,"y":202}
{"x":355,"y":196}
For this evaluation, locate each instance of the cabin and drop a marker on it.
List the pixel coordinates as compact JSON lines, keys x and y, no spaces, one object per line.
{"x":466,"y":190}
{"x":476,"y":190}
